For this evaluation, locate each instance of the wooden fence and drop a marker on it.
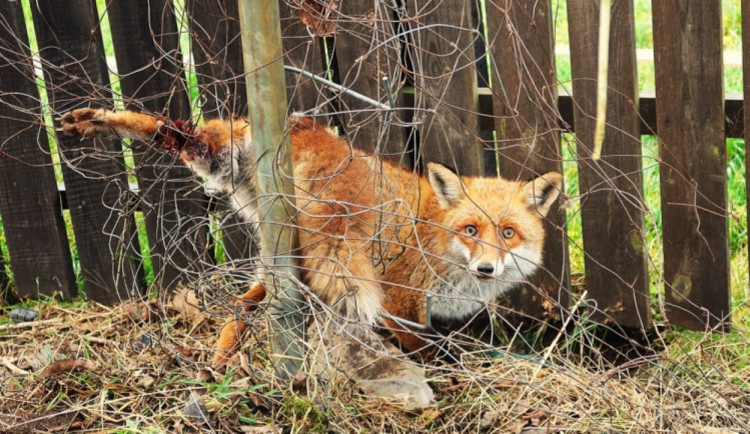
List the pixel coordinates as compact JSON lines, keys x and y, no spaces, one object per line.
{"x":449,"y":109}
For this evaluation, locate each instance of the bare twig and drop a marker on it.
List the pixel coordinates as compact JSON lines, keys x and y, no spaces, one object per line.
{"x":24,"y":325}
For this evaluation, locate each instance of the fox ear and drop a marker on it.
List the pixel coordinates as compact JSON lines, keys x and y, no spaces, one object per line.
{"x":446,"y":184}
{"x":542,"y":192}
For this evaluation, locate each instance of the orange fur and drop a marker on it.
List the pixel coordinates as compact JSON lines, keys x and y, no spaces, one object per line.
{"x":230,"y":338}
{"x":218,"y":135}
{"x":91,"y":122}
{"x":374,"y":237}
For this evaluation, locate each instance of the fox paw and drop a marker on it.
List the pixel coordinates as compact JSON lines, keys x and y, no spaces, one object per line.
{"x":85,"y":122}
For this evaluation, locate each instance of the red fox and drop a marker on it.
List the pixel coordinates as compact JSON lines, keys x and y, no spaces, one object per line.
{"x":373,"y":237}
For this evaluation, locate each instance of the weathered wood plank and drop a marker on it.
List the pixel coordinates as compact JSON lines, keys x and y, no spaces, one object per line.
{"x":526,"y":121}
{"x":367,"y":50}
{"x":745,"y":12}
{"x":149,"y":60}
{"x":29,"y":203}
{"x":72,"y":53}
{"x":445,"y":80}
{"x":733,"y":121}
{"x":149,"y":63}
{"x":612,"y":187}
{"x":303,"y":51}
{"x":690,"y":117}
{"x":217,"y":50}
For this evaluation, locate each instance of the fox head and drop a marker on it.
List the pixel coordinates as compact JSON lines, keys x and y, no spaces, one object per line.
{"x":494,"y":227}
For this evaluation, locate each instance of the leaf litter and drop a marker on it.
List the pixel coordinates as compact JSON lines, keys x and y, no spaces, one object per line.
{"x":147,"y":367}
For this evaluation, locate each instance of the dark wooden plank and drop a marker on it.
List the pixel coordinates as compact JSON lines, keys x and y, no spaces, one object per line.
{"x":149,"y":63}
{"x":444,"y":74}
{"x":304,"y":51}
{"x":733,"y":121}
{"x":745,"y":11}
{"x":367,"y":50}
{"x":690,"y":116}
{"x":524,"y":90}
{"x":612,"y":187}
{"x":217,"y":51}
{"x":72,"y":54}
{"x":734,"y":124}
{"x":29,"y":203}
{"x":526,"y":121}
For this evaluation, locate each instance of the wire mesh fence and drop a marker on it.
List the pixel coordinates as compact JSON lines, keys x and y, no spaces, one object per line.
{"x":539,"y":301}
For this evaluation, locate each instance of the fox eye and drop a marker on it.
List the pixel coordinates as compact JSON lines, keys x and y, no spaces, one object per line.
{"x":508,"y":232}
{"x":470,"y":230}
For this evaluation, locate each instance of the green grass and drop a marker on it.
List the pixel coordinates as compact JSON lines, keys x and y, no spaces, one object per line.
{"x":644,"y":39}
{"x":6,"y":273}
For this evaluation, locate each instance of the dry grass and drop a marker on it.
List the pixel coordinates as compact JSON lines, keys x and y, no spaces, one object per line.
{"x":125,"y":374}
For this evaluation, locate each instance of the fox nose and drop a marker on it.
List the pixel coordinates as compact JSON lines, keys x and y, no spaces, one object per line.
{"x":485,"y":268}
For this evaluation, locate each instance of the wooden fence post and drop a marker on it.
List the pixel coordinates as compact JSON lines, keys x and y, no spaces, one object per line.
{"x":524,"y":91}
{"x":72,"y":55}
{"x":745,"y":8}
{"x":29,"y":201}
{"x":149,"y":63}
{"x":445,"y":80}
{"x":303,"y":51}
{"x":612,"y":187}
{"x":366,"y":51}
{"x":266,"y":87}
{"x":217,"y":49}
{"x":692,"y":146}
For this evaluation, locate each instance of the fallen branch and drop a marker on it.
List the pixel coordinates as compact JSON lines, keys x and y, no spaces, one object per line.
{"x":67,"y":365}
{"x":22,"y":325}
{"x":15,"y":370}
{"x":97,"y":340}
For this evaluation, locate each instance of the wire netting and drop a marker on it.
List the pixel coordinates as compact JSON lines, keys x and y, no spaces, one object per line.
{"x":584,"y":343}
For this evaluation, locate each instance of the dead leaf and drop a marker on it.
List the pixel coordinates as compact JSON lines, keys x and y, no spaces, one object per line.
{"x":518,"y":426}
{"x":316,"y":15}
{"x":144,"y":311}
{"x":245,"y":365}
{"x":259,"y":401}
{"x":185,"y":302}
{"x":196,"y":409}
{"x":205,"y":376}
{"x":429,"y":415}
{"x":146,"y":381}
{"x":185,"y":351}
{"x":80,"y":424}
{"x":489,"y":419}
{"x":534,"y":415}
